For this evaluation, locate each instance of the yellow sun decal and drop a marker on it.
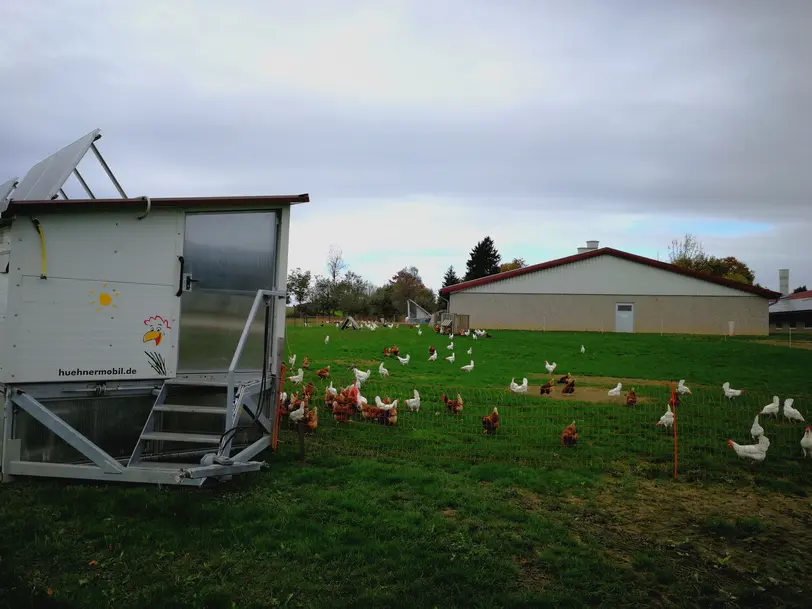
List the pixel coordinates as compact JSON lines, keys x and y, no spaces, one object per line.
{"x":104,"y":298}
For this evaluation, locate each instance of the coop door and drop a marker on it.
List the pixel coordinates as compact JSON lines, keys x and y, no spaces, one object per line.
{"x":227,"y":257}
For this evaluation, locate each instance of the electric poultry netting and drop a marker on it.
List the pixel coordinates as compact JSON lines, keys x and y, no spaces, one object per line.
{"x":593,"y":425}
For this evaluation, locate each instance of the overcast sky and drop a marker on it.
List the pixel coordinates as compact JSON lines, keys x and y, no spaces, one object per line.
{"x":418,"y":127}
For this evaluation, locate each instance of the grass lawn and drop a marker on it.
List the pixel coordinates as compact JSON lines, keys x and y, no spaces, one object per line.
{"x":432,"y":513}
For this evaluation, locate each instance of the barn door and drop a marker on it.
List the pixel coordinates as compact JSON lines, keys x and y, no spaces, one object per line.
{"x":624,"y":317}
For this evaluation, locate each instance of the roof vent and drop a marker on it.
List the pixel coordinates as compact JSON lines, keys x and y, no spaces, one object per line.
{"x":592,"y":245}
{"x":582,"y":250}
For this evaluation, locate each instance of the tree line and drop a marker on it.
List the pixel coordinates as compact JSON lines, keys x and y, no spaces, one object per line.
{"x":341,"y":289}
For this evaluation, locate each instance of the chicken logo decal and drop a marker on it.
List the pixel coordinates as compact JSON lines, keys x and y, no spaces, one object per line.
{"x":157,"y":327}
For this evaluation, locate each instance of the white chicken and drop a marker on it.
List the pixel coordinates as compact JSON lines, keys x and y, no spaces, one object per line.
{"x":806,"y":442}
{"x":360,"y":376}
{"x":332,"y":390}
{"x":682,"y":388}
{"x":756,"y":430}
{"x":772,"y":408}
{"x":379,"y":403}
{"x":360,"y":401}
{"x":419,"y":332}
{"x":583,"y":350}
{"x":297,"y":415}
{"x":452,"y":357}
{"x":404,"y":360}
{"x":756,"y":452}
{"x":791,"y":413}
{"x":327,"y":339}
{"x":667,"y":420}
{"x":470,"y":351}
{"x":730,"y":393}
{"x":292,"y":360}
{"x":413,"y":403}
{"x":616,"y":390}
{"x":383,"y":371}
{"x":433,"y":357}
{"x":297,"y":378}
{"x":469,"y":367}
{"x":474,"y":336}
{"x":450,"y":345}
{"x":518,"y":388}
{"x":550,"y":367}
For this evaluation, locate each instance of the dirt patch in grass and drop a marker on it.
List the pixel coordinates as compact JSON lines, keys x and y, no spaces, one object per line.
{"x":531,"y":576}
{"x":805,"y":344}
{"x":583,"y":394}
{"x":449,"y":513}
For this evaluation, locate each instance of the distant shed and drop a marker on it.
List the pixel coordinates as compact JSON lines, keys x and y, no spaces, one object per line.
{"x":604,"y":289}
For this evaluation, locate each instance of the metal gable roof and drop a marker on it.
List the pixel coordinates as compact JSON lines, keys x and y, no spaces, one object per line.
{"x":608,"y":251}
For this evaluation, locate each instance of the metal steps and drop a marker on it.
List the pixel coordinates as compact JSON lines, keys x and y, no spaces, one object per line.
{"x":218,"y":410}
{"x":171,"y":436}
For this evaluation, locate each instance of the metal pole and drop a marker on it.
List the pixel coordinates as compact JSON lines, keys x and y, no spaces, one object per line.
{"x":62,"y":192}
{"x":109,"y":173}
{"x":83,"y":183}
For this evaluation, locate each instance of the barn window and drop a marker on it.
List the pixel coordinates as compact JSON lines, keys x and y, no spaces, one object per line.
{"x":792,"y":325}
{"x":808,"y":324}
{"x":779,"y":325}
{"x":622,"y":307}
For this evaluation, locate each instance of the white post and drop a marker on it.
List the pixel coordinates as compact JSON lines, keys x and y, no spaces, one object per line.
{"x":661,"y":326}
{"x":790,"y":337}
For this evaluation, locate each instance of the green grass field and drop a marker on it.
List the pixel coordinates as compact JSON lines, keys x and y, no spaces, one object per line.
{"x":432,"y":513}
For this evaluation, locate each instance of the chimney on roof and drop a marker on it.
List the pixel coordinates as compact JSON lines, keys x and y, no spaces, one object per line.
{"x":590,"y":245}
{"x":783,"y":281}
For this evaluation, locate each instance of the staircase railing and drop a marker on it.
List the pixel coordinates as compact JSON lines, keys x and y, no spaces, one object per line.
{"x":231,"y":410}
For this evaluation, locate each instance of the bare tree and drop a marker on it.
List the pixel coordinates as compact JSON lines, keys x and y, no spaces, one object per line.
{"x":335,"y":263}
{"x":686,"y":253}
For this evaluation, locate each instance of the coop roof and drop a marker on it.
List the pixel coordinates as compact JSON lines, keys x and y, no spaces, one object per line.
{"x":84,"y":205}
{"x":608,"y":251}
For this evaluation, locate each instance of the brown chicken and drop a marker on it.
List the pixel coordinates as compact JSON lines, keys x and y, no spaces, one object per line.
{"x":308,"y":391}
{"x":547,"y":388}
{"x":311,"y":418}
{"x":432,"y":350}
{"x":673,"y":401}
{"x":369,"y":413}
{"x":394,"y":351}
{"x":565,"y":379}
{"x":437,"y":328}
{"x":454,"y":406}
{"x":284,"y":405}
{"x":491,"y":423}
{"x":386,"y":352}
{"x":342,"y":412}
{"x":569,"y":437}
{"x":306,"y":362}
{"x":631,"y":398}
{"x":570,"y":387}
{"x":323,"y":373}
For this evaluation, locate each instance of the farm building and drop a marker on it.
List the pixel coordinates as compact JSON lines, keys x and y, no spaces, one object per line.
{"x":604,"y":289}
{"x":791,"y":312}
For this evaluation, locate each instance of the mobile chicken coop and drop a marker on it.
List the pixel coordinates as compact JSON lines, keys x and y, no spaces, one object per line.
{"x":141,"y":339}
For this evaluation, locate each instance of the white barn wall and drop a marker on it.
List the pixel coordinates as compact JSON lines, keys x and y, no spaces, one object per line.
{"x":605,"y":275}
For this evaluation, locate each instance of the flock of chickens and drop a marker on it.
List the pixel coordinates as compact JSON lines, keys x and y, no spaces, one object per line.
{"x":345,"y":402}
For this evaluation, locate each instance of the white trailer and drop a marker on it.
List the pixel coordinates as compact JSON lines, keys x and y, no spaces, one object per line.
{"x":138,"y":335}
